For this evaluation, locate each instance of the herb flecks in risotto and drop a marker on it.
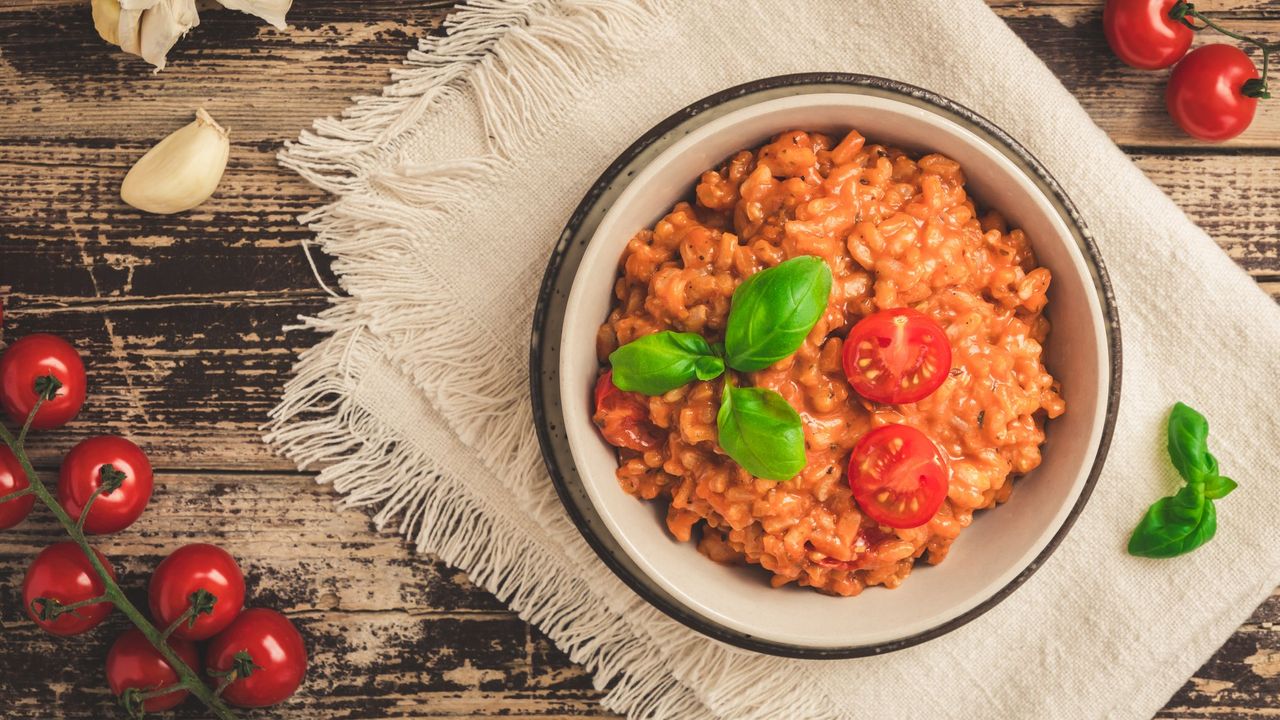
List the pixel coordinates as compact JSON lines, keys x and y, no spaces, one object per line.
{"x":895,"y":232}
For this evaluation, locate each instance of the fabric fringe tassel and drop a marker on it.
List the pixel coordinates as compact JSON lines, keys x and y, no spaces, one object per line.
{"x":515,"y":59}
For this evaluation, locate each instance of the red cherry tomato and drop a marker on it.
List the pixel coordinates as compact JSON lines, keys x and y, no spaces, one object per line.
{"x":81,"y":475}
{"x":61,"y":572}
{"x":899,"y":477}
{"x":623,"y":417}
{"x":1204,"y":95}
{"x":12,"y":480}
{"x":1142,"y":34}
{"x":896,"y":356}
{"x":275,"y":646}
{"x":32,"y":357}
{"x":133,"y":662}
{"x":186,"y":570}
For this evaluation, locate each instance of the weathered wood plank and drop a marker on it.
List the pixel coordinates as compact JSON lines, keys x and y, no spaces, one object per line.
{"x":331,"y":53}
{"x":190,"y":378}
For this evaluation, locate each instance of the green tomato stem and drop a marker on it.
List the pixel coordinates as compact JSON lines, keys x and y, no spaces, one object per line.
{"x":189,"y":680}
{"x":1188,"y":10}
{"x":185,"y":616}
{"x":20,"y":494}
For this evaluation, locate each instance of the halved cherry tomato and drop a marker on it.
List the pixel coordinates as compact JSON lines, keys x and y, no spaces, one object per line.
{"x":12,"y":480}
{"x":623,"y":417}
{"x":1142,"y":34}
{"x":133,"y":662}
{"x":899,"y":477}
{"x":1205,"y":95}
{"x":190,"y":568}
{"x":81,"y":475}
{"x":33,"y":357}
{"x":62,"y":572}
{"x":897,"y":356}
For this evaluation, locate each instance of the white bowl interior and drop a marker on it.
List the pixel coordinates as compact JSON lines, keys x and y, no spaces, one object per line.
{"x":1000,"y":543}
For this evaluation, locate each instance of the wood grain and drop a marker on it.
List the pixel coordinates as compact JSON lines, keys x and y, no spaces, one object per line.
{"x":181,"y":320}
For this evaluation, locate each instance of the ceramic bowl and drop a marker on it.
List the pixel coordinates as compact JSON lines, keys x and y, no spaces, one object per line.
{"x":1001,"y":549}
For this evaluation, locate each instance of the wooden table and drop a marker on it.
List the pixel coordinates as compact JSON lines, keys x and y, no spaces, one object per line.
{"x":180,"y":319}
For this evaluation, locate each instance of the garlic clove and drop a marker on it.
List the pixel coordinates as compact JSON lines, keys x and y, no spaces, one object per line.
{"x":162,"y":26}
{"x":273,"y":11}
{"x":128,"y":31}
{"x":181,"y":171}
{"x":106,"y":20}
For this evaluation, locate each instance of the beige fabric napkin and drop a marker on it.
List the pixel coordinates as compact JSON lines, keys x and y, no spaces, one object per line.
{"x":453,"y":185}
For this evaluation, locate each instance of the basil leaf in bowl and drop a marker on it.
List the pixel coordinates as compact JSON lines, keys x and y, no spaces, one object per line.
{"x":773,"y":310}
{"x":762,"y":432}
{"x":663,"y":361}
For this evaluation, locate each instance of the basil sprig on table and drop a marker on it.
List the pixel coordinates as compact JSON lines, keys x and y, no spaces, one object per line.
{"x":1188,"y":519}
{"x":770,"y":315}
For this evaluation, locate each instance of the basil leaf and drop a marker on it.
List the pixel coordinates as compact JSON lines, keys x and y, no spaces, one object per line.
{"x":1188,"y":449}
{"x":1218,"y":487}
{"x":761,"y":432}
{"x":658,"y":363}
{"x":1175,"y":525}
{"x":773,"y":310}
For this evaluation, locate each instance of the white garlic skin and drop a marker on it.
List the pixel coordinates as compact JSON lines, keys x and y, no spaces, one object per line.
{"x":181,"y":171}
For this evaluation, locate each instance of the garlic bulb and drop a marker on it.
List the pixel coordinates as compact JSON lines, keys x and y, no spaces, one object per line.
{"x":106,"y":20}
{"x":163,"y":25}
{"x":150,"y":28}
{"x":129,"y":30}
{"x":273,"y":11}
{"x":181,"y":171}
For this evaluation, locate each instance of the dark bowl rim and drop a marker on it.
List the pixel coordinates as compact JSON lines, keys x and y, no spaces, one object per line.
{"x":1004,"y":143}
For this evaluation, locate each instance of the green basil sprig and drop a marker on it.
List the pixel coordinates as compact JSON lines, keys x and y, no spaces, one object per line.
{"x":772,"y":312}
{"x":770,"y":315}
{"x":662,"y":362}
{"x":1188,"y":519}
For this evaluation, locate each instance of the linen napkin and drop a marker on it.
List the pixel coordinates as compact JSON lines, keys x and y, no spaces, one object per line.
{"x":451,"y":188}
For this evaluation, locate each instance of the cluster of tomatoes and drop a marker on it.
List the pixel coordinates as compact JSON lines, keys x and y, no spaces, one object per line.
{"x":898,"y":475}
{"x":198,"y":590}
{"x":1213,"y":91}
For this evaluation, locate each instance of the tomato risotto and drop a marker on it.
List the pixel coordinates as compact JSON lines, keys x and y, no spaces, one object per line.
{"x":932,"y":337}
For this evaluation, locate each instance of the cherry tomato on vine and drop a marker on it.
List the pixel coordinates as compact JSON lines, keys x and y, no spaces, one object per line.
{"x":33,"y":357}
{"x":83,"y":472}
{"x":133,"y":662}
{"x":1206,"y":95}
{"x":12,"y":480}
{"x":896,"y":356}
{"x":186,"y":570}
{"x":276,"y":648}
{"x":61,"y":572}
{"x":623,"y":417}
{"x":1142,"y":34}
{"x":899,"y":477}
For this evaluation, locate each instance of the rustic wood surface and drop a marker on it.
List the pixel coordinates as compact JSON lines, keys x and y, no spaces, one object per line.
{"x":181,"y":320}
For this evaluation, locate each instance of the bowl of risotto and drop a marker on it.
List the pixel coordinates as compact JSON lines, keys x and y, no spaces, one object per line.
{"x":825,"y":366}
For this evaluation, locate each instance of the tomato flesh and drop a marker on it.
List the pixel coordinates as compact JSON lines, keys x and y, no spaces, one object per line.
{"x":133,"y":662}
{"x":199,"y":566}
{"x":1141,"y":33}
{"x":33,"y":357}
{"x":1204,"y":94}
{"x":12,"y":480}
{"x":81,"y":475}
{"x":276,"y":648}
{"x":623,"y":417}
{"x":62,"y":572}
{"x":897,"y":356}
{"x":899,"y":477}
